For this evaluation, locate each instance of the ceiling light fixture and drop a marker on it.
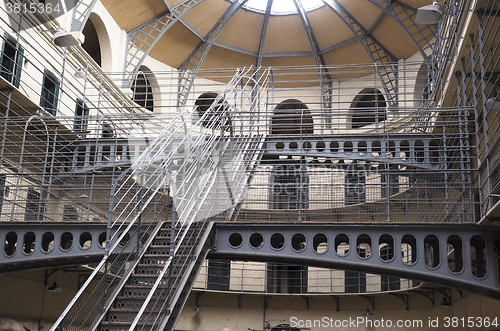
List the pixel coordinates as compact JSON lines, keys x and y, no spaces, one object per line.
{"x":54,"y":288}
{"x":493,"y":103}
{"x":444,"y":303}
{"x":66,"y":39}
{"x":430,"y":14}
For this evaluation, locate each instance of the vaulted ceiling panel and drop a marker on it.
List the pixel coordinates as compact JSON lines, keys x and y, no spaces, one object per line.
{"x":206,"y":14}
{"x":238,"y":32}
{"x":395,"y":39}
{"x":347,"y":54}
{"x":129,"y":14}
{"x":328,"y":27}
{"x":363,"y":11}
{"x":286,"y":34}
{"x":175,"y":46}
{"x":219,"y":57}
{"x":172,"y":3}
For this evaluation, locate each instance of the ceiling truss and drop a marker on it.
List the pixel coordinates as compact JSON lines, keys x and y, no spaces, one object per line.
{"x":142,"y":39}
{"x":387,"y":71}
{"x":264,"y":33}
{"x":189,"y":69}
{"x":404,"y":16}
{"x":81,"y":14}
{"x":324,"y":77}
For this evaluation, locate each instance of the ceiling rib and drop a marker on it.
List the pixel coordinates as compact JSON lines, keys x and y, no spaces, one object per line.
{"x":263,"y":34}
{"x":190,"y":28}
{"x":235,"y":49}
{"x":375,"y":50}
{"x":189,"y":69}
{"x":318,"y":59}
{"x":324,"y":77}
{"x":81,"y":14}
{"x":142,"y":39}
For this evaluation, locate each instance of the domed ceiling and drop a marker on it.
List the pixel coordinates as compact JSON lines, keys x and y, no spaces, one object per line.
{"x":238,"y":33}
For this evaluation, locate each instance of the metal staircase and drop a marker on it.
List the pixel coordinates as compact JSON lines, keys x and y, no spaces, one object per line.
{"x":190,"y":175}
{"x":166,"y":297}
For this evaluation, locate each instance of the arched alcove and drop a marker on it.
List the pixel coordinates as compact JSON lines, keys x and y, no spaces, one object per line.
{"x":292,"y":117}
{"x":97,"y":43}
{"x":368,"y":107}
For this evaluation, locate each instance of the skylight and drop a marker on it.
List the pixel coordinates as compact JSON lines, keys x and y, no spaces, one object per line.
{"x":281,"y":7}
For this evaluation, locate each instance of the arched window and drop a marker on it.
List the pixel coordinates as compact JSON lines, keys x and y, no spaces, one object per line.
{"x":368,"y":107}
{"x":142,"y":90}
{"x":292,"y":117}
{"x":203,"y":104}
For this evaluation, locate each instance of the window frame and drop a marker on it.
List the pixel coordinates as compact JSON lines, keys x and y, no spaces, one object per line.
{"x":49,"y":97}
{"x":12,"y":73}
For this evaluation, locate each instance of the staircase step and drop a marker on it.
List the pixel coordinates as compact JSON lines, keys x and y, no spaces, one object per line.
{"x":160,"y":244}
{"x":114,"y":326}
{"x":128,"y":316}
{"x":154,"y":270}
{"x":150,"y":280}
{"x":139,"y":285}
{"x":163,"y":250}
{"x":137,"y":289}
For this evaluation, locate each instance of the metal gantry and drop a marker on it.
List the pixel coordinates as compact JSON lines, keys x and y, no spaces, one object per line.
{"x":434,"y":254}
{"x":190,"y":67}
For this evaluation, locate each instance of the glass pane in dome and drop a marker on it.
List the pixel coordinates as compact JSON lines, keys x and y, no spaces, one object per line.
{"x":281,"y":7}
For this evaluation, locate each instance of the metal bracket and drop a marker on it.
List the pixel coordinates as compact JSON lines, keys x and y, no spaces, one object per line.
{"x":337,"y":300}
{"x":370,"y":299}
